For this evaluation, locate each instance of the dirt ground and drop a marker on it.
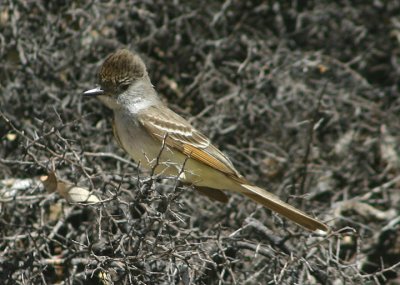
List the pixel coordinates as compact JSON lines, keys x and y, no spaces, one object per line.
{"x":303,"y":96}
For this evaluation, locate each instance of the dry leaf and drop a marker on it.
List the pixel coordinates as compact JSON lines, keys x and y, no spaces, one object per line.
{"x":71,"y":193}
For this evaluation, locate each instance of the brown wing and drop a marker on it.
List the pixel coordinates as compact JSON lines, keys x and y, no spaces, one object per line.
{"x":179,"y":134}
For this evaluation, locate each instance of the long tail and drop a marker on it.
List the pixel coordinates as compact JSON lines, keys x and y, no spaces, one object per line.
{"x":272,"y":202}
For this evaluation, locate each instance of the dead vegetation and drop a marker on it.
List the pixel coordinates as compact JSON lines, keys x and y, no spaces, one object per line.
{"x":303,"y":97}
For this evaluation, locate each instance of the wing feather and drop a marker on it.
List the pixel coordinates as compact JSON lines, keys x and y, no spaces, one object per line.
{"x":180,"y":135}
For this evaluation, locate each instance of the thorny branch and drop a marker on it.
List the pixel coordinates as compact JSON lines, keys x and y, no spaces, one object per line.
{"x":246,"y":74}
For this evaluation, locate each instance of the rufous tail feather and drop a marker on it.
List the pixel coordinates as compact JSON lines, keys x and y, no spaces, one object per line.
{"x":273,"y":203}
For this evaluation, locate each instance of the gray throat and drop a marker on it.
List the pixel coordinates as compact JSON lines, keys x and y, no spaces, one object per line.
{"x":140,"y":95}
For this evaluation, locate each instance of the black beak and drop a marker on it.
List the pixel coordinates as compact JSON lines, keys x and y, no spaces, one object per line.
{"x":93,"y":92}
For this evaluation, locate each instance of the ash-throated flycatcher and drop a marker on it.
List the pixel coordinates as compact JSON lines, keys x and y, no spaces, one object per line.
{"x":154,"y":136}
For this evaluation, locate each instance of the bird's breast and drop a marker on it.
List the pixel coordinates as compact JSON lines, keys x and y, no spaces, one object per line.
{"x":146,"y":150}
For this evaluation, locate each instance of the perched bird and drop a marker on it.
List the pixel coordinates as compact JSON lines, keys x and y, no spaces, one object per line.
{"x":158,"y":138}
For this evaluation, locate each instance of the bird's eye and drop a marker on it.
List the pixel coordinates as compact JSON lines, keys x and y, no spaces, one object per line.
{"x":123,"y":87}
